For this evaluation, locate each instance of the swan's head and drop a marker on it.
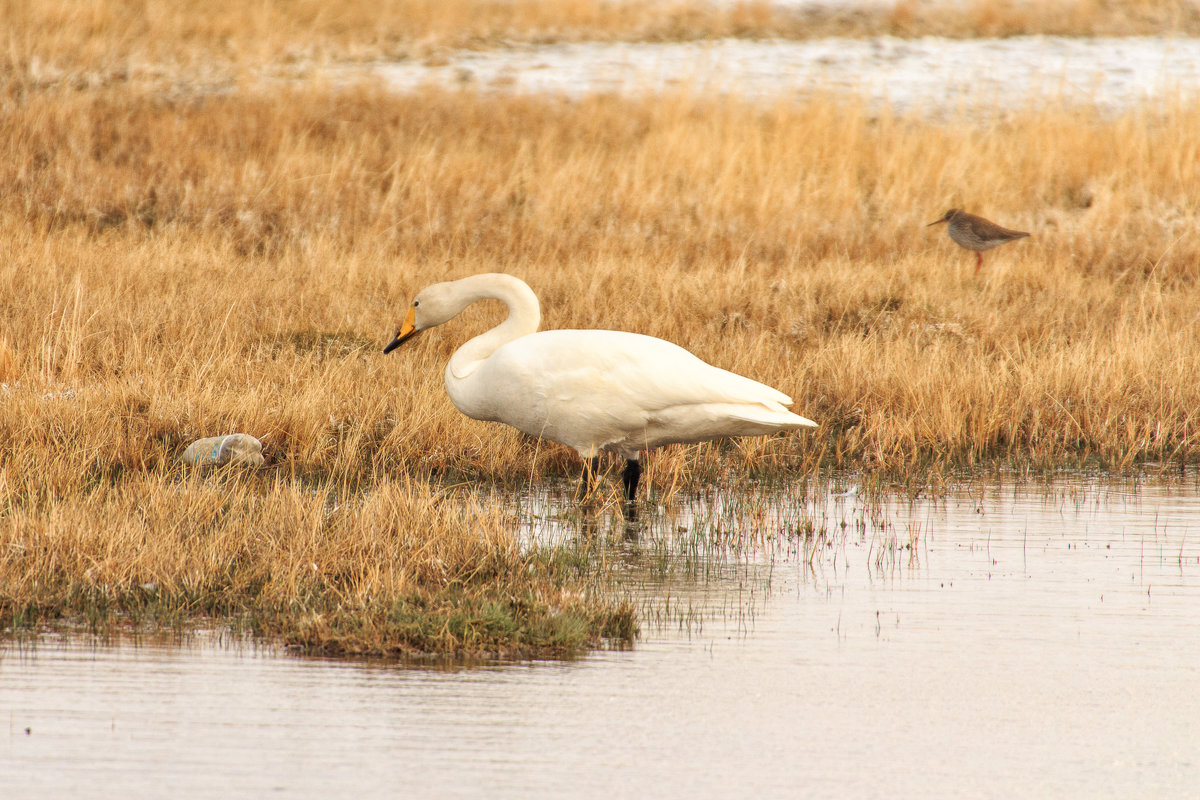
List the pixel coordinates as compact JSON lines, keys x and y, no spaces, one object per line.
{"x":433,"y":306}
{"x":949,"y":215}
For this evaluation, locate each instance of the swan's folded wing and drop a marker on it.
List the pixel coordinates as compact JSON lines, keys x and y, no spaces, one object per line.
{"x":651,"y":374}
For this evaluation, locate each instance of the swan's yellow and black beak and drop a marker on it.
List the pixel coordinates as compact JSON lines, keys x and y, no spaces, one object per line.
{"x":407,"y":331}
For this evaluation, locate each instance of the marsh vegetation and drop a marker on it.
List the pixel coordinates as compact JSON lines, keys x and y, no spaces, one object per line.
{"x":181,"y":264}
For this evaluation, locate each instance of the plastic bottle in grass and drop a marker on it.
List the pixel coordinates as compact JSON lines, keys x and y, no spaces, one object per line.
{"x":235,"y":448}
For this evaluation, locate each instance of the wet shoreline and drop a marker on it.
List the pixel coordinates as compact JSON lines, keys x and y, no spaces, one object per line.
{"x":925,"y":75}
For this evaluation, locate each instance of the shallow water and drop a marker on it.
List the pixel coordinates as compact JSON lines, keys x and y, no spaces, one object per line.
{"x":1001,"y":642}
{"x":928,"y":74}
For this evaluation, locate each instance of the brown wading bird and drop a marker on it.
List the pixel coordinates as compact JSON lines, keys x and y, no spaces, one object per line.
{"x":976,"y":233}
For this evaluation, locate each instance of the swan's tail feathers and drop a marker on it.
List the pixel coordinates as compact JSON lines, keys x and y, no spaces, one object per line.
{"x":775,"y":413}
{"x":757,"y":420}
{"x":781,"y":418}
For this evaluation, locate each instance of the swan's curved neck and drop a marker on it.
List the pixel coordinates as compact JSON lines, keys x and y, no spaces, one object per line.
{"x":524,"y":316}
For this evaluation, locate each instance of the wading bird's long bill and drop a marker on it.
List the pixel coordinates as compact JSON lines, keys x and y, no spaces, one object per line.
{"x":407,"y":331}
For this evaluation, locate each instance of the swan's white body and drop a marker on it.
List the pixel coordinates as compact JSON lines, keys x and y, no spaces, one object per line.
{"x":613,"y":391}
{"x":591,"y":390}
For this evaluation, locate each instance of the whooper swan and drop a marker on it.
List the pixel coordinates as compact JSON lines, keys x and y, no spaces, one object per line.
{"x":591,"y":390}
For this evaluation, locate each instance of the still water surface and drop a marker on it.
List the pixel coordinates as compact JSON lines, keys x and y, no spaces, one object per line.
{"x":997,"y":643}
{"x":926,"y":75}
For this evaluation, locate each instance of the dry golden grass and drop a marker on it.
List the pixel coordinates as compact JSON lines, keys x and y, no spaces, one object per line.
{"x":404,"y":570}
{"x":212,"y":40}
{"x":184,"y":268}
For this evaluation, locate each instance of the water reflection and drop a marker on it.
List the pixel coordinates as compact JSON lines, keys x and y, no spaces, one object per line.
{"x":1002,"y":640}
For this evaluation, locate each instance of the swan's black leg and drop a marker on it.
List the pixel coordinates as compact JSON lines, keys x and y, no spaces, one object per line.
{"x":630,"y":477}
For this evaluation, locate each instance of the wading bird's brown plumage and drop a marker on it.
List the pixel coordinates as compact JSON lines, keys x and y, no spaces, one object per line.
{"x":976,"y":233}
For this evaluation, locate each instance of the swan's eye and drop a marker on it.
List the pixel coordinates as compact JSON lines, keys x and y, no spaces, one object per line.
{"x":416,"y":303}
